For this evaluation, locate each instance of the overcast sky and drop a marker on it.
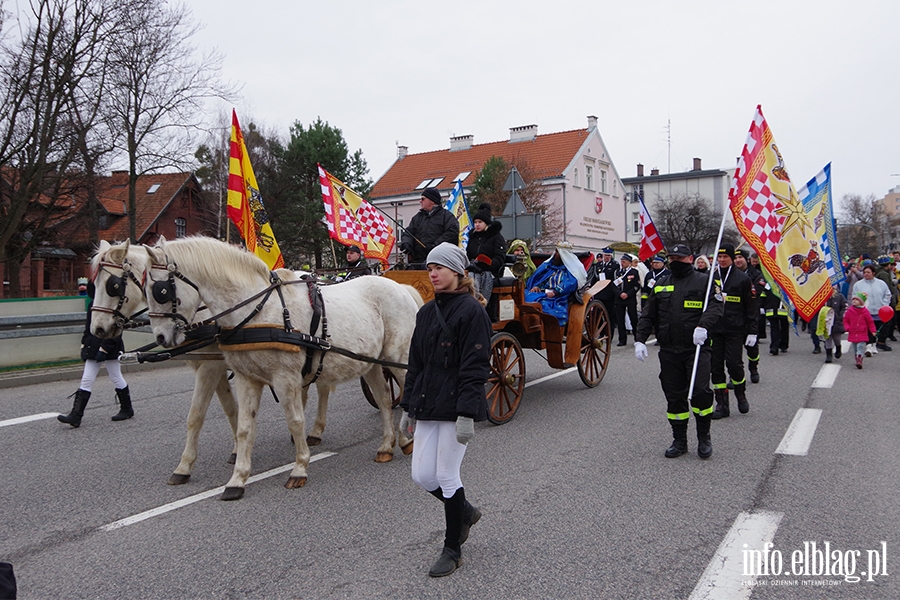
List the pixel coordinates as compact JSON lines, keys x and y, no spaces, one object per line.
{"x":826,"y":73}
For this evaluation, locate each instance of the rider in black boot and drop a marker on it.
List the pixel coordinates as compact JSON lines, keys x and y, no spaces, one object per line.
{"x":471,"y":515}
{"x":74,"y":417}
{"x":125,"y":409}
{"x":451,"y":556}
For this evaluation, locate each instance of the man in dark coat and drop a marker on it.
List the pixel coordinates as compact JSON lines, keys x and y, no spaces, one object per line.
{"x":431,"y":226}
{"x":628,"y":286}
{"x":356,"y":264}
{"x":605,"y":270}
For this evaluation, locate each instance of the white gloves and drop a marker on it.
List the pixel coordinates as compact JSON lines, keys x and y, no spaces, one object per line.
{"x":751,"y":340}
{"x":407,"y":424}
{"x":465,"y":429}
{"x":699,"y":336}
{"x":640,"y":351}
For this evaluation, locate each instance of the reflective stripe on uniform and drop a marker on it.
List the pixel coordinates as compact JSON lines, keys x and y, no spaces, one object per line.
{"x":719,"y":386}
{"x":732,"y":299}
{"x":678,"y":416}
{"x":693,"y":304}
{"x":741,"y":382}
{"x":664,"y":288}
{"x":702,"y":412}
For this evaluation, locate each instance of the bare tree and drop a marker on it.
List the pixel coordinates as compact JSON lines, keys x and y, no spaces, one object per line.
{"x":158,"y":89}
{"x":691,"y":219}
{"x":860,"y":225}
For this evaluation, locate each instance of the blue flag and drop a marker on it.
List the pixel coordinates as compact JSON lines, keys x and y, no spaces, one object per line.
{"x":458,"y":208}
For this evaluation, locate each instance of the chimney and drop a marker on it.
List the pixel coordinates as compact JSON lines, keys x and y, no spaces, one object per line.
{"x":119,"y":178}
{"x":461,"y":142}
{"x":697,"y":165}
{"x":654,"y":172}
{"x":640,"y":170}
{"x":592,"y":122}
{"x":402,"y":151}
{"x":523,"y":133}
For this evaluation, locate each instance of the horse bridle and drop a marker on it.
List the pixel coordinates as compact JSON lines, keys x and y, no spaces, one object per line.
{"x":163,"y":291}
{"x":117,"y":287}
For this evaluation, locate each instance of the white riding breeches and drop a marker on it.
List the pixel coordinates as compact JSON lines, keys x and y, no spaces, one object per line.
{"x":92,"y":368}
{"x":437,"y":457}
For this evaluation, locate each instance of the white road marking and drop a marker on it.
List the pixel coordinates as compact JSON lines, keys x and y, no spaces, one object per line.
{"x":155,"y":512}
{"x":800,"y":433}
{"x":29,"y":418}
{"x":726,"y":576}
{"x":553,"y":376}
{"x":827,"y":374}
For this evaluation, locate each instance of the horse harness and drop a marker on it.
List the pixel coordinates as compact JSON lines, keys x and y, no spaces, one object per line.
{"x":117,"y":287}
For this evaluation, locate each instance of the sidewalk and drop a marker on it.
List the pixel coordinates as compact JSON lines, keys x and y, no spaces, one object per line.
{"x":11,"y":379}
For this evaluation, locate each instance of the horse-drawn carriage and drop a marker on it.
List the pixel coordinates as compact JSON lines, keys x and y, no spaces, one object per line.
{"x":583,"y":342}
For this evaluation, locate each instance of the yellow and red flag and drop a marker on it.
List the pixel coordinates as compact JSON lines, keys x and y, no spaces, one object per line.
{"x":786,"y":232}
{"x":353,"y":221}
{"x":245,"y":204}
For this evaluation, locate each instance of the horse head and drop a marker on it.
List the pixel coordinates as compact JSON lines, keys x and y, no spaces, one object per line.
{"x":118,"y":293}
{"x":172,"y":306}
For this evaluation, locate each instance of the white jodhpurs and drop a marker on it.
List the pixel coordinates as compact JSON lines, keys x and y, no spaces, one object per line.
{"x":437,"y":456}
{"x":92,"y":368}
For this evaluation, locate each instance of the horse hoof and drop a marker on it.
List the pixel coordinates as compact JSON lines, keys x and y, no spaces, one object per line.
{"x":383,"y":457}
{"x":233,"y":493}
{"x":313,"y":441}
{"x":233,"y":458}
{"x":407,"y":449}
{"x":178,"y":479}
{"x":295,"y":482}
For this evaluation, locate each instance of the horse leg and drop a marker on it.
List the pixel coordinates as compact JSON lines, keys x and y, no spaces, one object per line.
{"x":203,"y":391}
{"x":248,"y":395}
{"x":315,"y":436}
{"x":293,"y":413}
{"x":229,"y":404}
{"x":405,"y":441}
{"x":379,"y":387}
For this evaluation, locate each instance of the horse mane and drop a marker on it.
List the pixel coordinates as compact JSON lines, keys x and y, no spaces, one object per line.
{"x":218,"y":260}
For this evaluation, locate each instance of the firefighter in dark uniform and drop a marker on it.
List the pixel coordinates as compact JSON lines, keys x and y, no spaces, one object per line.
{"x":605,"y":270}
{"x":759,"y":286}
{"x":777,"y":315}
{"x":628,"y":286}
{"x":735,"y":330}
{"x":675,"y":312}
{"x":657,"y":270}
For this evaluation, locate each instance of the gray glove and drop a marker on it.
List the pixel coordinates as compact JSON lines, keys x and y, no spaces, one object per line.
{"x":407,"y":424}
{"x":465,"y":429}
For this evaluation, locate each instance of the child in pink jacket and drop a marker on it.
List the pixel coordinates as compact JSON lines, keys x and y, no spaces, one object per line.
{"x":859,"y":325}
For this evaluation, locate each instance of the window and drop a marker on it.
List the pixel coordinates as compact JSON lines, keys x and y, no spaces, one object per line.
{"x":180,"y":227}
{"x":589,"y":177}
{"x":575,"y":178}
{"x":637,"y":192}
{"x":153,"y":188}
{"x":603,"y":181}
{"x":635,"y":222}
{"x":429,"y":183}
{"x":462,"y":176}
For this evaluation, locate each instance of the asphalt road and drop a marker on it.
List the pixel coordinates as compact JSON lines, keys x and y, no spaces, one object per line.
{"x":577,"y":497}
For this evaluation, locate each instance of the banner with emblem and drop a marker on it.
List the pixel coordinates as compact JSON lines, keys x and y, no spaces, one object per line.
{"x":771,"y":216}
{"x":459,"y":209}
{"x":245,"y":204}
{"x":353,"y":221}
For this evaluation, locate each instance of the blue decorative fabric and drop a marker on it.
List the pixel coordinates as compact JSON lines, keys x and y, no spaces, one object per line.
{"x":557,"y":278}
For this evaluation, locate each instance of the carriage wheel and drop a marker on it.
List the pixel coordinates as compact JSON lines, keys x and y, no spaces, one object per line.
{"x":393,"y":385}
{"x":595,"y":344}
{"x":507,"y":379}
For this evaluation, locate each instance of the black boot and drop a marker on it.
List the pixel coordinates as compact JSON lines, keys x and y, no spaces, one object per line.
{"x":74,"y":417}
{"x":828,"y":355}
{"x":471,"y":515}
{"x":679,"y":439}
{"x":454,"y":513}
{"x":753,"y":367}
{"x":722,"y":409}
{"x":740,"y":392}
{"x":837,"y":350}
{"x":125,"y":410}
{"x":704,"y":443}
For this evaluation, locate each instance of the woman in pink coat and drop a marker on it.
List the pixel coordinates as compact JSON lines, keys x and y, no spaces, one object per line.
{"x":859,"y":325}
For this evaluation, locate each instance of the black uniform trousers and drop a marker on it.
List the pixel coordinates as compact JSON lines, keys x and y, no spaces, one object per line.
{"x":728,"y":352}
{"x":623,"y":307}
{"x":780,"y":333}
{"x":753,"y":351}
{"x":675,"y":366}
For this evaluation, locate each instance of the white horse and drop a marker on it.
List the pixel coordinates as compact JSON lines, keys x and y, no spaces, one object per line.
{"x":369,"y":316}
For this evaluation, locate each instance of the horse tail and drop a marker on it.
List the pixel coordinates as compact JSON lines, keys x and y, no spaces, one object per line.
{"x":416,"y":296}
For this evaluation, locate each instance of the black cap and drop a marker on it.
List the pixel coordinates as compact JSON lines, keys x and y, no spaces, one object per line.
{"x":739,"y":252}
{"x":627,"y":257}
{"x":658,"y":258}
{"x":354,"y":248}
{"x":483,"y":213}
{"x":608,"y":250}
{"x":728,"y":249}
{"x":680,"y":250}
{"x":432,"y":194}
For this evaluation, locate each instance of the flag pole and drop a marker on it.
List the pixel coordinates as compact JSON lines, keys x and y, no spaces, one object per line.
{"x":706,"y":302}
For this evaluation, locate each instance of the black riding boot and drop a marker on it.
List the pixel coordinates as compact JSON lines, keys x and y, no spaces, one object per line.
{"x":74,"y":417}
{"x":679,"y":441}
{"x":454,"y":513}
{"x":740,"y":392}
{"x":722,"y":409}
{"x":704,"y":443}
{"x":471,"y":515}
{"x":125,"y":410}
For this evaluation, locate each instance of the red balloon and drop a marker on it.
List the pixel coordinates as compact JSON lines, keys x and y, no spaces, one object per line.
{"x":885,"y":313}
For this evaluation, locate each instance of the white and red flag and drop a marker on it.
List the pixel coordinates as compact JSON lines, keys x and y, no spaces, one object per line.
{"x":651,"y":243}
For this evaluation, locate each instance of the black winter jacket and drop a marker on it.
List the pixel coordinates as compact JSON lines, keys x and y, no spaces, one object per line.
{"x":675,"y":308}
{"x":446,"y":377}
{"x":431,"y":229}
{"x":91,"y":344}
{"x":741,"y":305}
{"x":490,"y":243}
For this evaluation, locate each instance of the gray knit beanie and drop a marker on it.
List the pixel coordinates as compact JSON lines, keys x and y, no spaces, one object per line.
{"x":450,"y":256}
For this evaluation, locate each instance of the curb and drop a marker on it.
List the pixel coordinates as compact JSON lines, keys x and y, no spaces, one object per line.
{"x":13,"y":379}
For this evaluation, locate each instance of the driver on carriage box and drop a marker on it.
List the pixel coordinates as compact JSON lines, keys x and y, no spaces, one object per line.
{"x":428,"y":228}
{"x":675,"y":312}
{"x":356,"y":264}
{"x":555,"y":280}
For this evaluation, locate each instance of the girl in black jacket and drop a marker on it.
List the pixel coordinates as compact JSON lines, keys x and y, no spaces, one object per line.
{"x":486,"y":251}
{"x":449,"y":362}
{"x":95,"y":351}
